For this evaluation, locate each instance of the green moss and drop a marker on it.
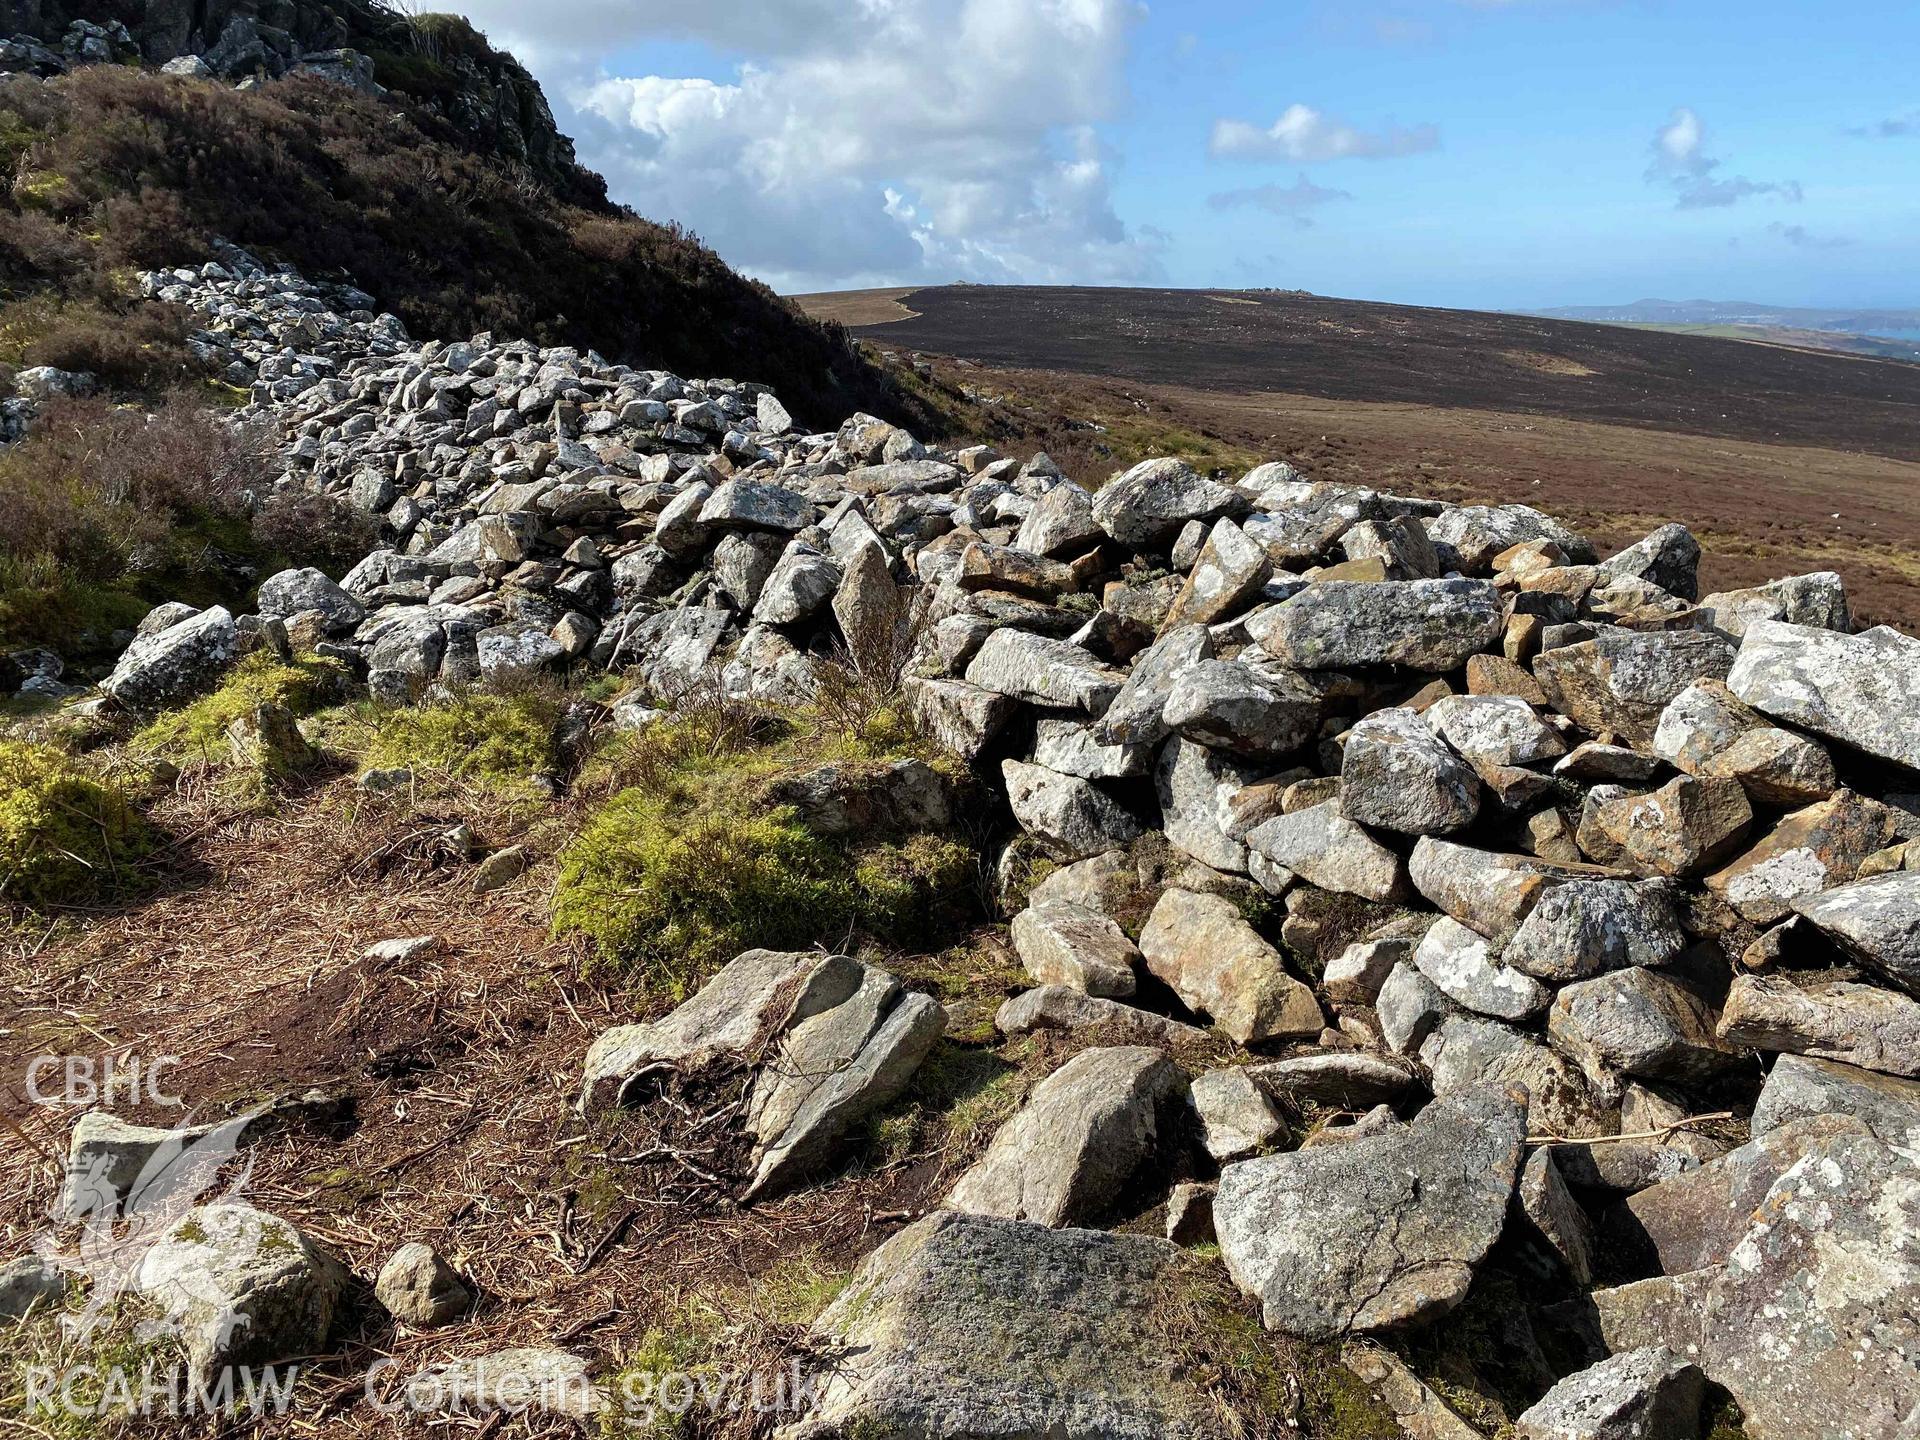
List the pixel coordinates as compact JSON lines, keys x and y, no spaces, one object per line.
{"x":687,"y":866}
{"x":1257,"y":1378}
{"x":200,"y":729}
{"x":103,"y":1371}
{"x":479,"y":736}
{"x":66,"y":838}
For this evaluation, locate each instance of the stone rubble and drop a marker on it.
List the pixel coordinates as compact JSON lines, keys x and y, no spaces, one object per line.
{"x":1532,"y":850}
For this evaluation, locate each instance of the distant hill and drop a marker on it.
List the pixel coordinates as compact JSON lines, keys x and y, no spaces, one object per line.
{"x":1896,"y":323}
{"x":1251,"y":341}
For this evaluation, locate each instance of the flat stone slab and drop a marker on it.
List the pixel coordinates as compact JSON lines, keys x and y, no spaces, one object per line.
{"x":1378,"y":1232}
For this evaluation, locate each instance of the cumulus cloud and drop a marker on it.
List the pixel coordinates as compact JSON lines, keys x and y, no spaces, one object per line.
{"x":1802,"y":238}
{"x":1291,"y":202}
{"x":1681,"y":163}
{"x":859,"y":141}
{"x":1307,"y":136}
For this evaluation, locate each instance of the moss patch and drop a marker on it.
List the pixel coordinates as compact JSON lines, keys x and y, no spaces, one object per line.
{"x":66,"y":838}
{"x":687,"y":865}
{"x":484,"y":737}
{"x":200,"y":730}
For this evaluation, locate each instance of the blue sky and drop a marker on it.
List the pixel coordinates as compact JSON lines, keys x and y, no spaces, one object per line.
{"x":1492,"y":153}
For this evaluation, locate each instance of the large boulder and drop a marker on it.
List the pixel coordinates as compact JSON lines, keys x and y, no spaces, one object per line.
{"x":830,"y":1040}
{"x":1431,"y":625}
{"x":1395,"y":774}
{"x":1623,"y":680}
{"x":1379,"y":1232}
{"x":1640,"y":1022}
{"x":1811,"y":851}
{"x":1063,"y":944}
{"x":1581,"y":928}
{"x":1707,"y":732}
{"x":1069,"y":816}
{"x":1150,"y":504}
{"x":168,"y":666}
{"x":1646,"y":1394}
{"x":833,"y":1069}
{"x":1862,"y":690}
{"x":1082,"y":1135}
{"x":1876,"y":921}
{"x":1833,"y":1019}
{"x":965,"y":1326}
{"x":1800,"y":1085}
{"x":295,"y":592}
{"x":1324,"y":847}
{"x":1814,"y":1322}
{"x":1046,"y":672}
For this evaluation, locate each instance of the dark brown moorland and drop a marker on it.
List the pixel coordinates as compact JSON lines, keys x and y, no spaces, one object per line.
{"x":1246,"y":341}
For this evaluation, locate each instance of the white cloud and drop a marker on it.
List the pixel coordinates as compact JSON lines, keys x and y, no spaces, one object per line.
{"x":1681,"y":163}
{"x":1307,"y":136}
{"x":1291,"y":202}
{"x":861,"y":141}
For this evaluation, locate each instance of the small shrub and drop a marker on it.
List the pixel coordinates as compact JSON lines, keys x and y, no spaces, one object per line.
{"x":143,"y":349}
{"x":200,"y":729}
{"x":304,"y":527}
{"x":66,"y":838}
{"x":478,"y":736}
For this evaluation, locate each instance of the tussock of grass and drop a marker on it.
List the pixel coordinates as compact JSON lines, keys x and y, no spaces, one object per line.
{"x":685,"y":866}
{"x":477,"y":736}
{"x":66,"y":838}
{"x":199,"y":730}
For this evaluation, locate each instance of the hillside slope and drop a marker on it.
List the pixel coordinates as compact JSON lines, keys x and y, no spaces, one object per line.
{"x":1349,"y":350}
{"x":111,"y":167}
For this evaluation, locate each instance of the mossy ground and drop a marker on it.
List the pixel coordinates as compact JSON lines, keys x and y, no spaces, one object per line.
{"x":199,"y":731}
{"x":66,"y":837}
{"x":478,"y":736}
{"x":686,"y":865}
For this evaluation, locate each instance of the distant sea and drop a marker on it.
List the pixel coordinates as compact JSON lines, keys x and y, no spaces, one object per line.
{"x":1892,"y":334}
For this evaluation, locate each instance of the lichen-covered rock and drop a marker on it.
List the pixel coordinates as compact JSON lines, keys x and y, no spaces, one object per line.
{"x":1832,"y":1019}
{"x":1324,"y":847}
{"x":1218,"y":965}
{"x":1083,"y":1133}
{"x":964,"y":1326}
{"x":1639,"y":1022}
{"x":1707,"y":732}
{"x":1623,"y":680}
{"x":1459,"y":963}
{"x":1374,"y":1233}
{"x":168,"y":666}
{"x":1636,"y":1395}
{"x":1395,"y":775}
{"x":1802,"y":1085}
{"x":1862,"y":690}
{"x":244,"y":1288}
{"x":1147,"y":506}
{"x":1066,"y":814}
{"x":1877,"y":921}
{"x":1431,"y":625}
{"x":1062,"y":944}
{"x":1813,"y":850}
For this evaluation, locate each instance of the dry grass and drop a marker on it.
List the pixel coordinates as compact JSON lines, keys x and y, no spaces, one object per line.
{"x":462,"y":1068}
